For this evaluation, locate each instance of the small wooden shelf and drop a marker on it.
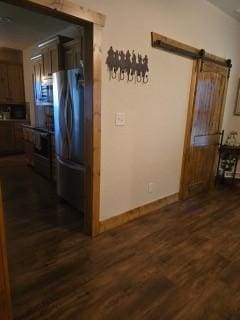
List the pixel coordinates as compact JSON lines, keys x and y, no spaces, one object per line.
{"x":228,"y":159}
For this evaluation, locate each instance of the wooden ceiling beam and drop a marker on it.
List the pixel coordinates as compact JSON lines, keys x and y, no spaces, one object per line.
{"x":64,"y":7}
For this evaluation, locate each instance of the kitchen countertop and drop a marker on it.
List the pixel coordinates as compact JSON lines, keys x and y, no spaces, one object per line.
{"x":13,"y":120}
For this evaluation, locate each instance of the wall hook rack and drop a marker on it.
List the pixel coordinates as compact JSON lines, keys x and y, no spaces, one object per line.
{"x":127,"y":66}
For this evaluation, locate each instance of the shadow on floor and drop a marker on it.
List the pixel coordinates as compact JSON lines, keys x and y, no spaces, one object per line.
{"x":36,"y":219}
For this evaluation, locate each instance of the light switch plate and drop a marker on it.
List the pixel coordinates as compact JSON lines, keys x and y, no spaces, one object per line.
{"x":120,"y":119}
{"x":150,"y":187}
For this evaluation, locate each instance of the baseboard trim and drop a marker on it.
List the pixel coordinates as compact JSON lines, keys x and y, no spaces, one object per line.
{"x":130,"y":215}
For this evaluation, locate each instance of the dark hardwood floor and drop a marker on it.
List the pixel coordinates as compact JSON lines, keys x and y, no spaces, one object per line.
{"x":180,"y":263}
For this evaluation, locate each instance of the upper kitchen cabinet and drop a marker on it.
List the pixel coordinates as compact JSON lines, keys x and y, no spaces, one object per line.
{"x":38,"y":67}
{"x":37,"y":62}
{"x":52,"y":57}
{"x":47,"y":62}
{"x":73,"y":53}
{"x":3,"y":82}
{"x":11,"y":83}
{"x":15,"y":84}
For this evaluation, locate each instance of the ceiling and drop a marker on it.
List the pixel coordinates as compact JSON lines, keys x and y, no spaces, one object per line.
{"x":26,"y":27}
{"x":231,"y":7}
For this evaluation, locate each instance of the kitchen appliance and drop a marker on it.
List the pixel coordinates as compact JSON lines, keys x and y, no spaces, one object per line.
{"x":13,"y":112}
{"x":43,"y":91}
{"x":6,"y":115}
{"x":68,"y":97}
{"x":47,"y":92}
{"x":44,"y":117}
{"x":42,"y":152}
{"x":18,"y":112}
{"x":5,"y":112}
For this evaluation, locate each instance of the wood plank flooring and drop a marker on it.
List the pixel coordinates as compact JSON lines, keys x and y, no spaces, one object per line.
{"x":180,"y":263}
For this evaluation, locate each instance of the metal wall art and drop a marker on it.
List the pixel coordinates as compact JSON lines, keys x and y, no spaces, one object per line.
{"x":127,"y":66}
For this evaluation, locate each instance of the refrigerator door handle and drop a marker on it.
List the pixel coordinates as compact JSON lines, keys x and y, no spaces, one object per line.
{"x":66,"y":107}
{"x":71,"y":115}
{"x":69,"y":119}
{"x":62,"y":124}
{"x":60,"y":111}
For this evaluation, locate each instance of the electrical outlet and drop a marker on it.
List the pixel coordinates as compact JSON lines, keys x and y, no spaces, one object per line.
{"x":150,"y":187}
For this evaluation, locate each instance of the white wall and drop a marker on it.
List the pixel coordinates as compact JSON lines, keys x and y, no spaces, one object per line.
{"x":149,"y":148}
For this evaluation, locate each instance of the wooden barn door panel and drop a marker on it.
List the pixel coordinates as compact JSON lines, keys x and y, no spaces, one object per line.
{"x":203,"y":128}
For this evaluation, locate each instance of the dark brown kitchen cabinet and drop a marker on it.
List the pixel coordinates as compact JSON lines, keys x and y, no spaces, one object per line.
{"x":28,"y":144}
{"x":52,"y":59}
{"x":56,"y":58}
{"x":3,"y":82}
{"x":7,"y":140}
{"x":11,"y":84}
{"x":72,"y":54}
{"x":38,"y":67}
{"x":47,"y":63}
{"x":18,"y":136}
{"x":11,"y":137}
{"x":16,"y":92}
{"x":52,"y":56}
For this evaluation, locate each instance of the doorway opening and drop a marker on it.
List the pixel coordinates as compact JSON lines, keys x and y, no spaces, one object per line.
{"x":48,"y":170}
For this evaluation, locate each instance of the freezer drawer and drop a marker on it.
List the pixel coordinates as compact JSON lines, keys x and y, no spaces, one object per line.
{"x":70,"y":183}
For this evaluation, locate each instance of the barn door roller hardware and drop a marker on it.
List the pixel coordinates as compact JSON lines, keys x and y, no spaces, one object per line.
{"x":205,"y":57}
{"x":173,"y":46}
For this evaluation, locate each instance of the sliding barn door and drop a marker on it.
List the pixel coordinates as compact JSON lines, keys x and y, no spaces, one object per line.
{"x":207,"y":100}
{"x":5,"y":302}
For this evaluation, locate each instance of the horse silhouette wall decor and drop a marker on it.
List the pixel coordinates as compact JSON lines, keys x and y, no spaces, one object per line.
{"x":127,"y":66}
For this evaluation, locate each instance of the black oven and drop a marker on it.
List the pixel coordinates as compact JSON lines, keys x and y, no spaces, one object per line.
{"x":42,"y":153}
{"x":42,"y":144}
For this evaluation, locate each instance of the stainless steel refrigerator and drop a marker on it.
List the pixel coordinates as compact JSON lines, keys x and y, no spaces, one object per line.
{"x":68,"y":99}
